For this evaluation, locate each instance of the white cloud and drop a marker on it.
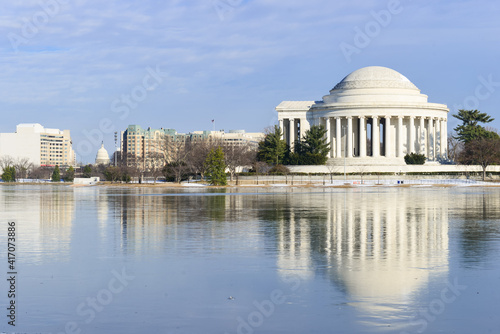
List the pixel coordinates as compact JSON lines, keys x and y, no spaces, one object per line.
{"x":92,"y":51}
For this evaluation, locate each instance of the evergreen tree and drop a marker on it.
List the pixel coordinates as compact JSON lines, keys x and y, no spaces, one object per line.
{"x":272,"y":148}
{"x":9,"y":174}
{"x":313,"y":149}
{"x":216,"y":167}
{"x":315,"y":141}
{"x":56,"y":174}
{"x":69,"y":176}
{"x":87,"y":171}
{"x":470,"y":129}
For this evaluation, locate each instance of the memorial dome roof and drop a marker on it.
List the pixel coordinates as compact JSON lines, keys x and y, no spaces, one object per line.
{"x":375,"y":77}
{"x":375,"y":85}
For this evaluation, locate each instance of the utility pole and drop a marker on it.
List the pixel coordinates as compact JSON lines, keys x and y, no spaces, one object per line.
{"x":116,"y":146}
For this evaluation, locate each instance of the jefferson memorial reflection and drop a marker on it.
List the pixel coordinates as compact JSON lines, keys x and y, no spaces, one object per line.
{"x":380,"y":252}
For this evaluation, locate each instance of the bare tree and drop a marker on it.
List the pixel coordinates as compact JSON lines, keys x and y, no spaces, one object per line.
{"x":454,"y":147}
{"x":197,"y":154}
{"x":23,"y":166}
{"x":6,"y":161}
{"x":261,"y":167}
{"x":176,"y":154}
{"x":112,"y":173}
{"x":41,"y":173}
{"x":362,"y":171}
{"x":237,"y":155}
{"x":155,"y":164}
{"x":333,"y":167}
{"x":482,"y":151}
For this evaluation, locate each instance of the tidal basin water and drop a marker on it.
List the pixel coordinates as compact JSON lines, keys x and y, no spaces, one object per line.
{"x":268,"y":260}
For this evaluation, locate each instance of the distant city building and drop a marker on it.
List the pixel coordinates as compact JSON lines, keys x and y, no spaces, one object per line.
{"x":102,"y":157}
{"x":42,"y":146}
{"x":146,"y":145}
{"x":235,"y":137}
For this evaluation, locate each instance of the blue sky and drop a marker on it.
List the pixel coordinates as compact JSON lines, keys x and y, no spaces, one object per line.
{"x":72,"y":64}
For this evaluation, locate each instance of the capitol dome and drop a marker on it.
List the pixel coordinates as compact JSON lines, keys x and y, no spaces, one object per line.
{"x":102,"y":156}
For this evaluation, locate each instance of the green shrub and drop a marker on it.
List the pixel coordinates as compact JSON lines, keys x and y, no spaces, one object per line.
{"x":415,"y":159}
{"x":279,"y":170}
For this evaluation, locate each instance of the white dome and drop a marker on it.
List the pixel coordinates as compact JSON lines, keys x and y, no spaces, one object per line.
{"x":102,"y":156}
{"x":375,"y":83}
{"x":375,"y":77}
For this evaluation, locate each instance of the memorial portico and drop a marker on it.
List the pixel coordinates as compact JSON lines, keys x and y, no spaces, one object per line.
{"x":374,"y":114}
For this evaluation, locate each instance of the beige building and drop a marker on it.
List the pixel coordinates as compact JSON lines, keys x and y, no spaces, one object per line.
{"x":144,"y":146}
{"x":42,"y":146}
{"x":235,"y":137}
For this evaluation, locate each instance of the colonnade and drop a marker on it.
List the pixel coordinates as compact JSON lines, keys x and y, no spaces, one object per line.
{"x":376,"y":136}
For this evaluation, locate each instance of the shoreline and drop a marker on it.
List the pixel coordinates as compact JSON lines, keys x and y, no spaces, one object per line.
{"x":417,"y":183}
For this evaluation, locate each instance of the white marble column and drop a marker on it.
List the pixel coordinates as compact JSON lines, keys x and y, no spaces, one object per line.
{"x":422,"y":140}
{"x":438,"y":138}
{"x":282,"y":128}
{"x":291,"y":133}
{"x":304,"y":126}
{"x":375,"y":137}
{"x":338,"y":138}
{"x":362,"y":137}
{"x":328,"y":135}
{"x":349,"y":137}
{"x":444,"y":139}
{"x":400,"y":137}
{"x":430,"y":127}
{"x":411,"y":144}
{"x":387,"y":138}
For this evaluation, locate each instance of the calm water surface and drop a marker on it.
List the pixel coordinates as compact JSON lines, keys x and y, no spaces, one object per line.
{"x":142,"y":260}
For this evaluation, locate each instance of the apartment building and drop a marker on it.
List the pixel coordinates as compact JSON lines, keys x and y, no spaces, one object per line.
{"x":144,"y":146}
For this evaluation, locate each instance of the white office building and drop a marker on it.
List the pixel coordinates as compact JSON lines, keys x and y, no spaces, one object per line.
{"x":42,"y":146}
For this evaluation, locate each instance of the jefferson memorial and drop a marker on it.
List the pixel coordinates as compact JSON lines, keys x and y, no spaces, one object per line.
{"x":374,"y":116}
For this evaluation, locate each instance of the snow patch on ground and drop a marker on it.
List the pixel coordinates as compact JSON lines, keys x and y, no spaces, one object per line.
{"x":194,"y":185}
